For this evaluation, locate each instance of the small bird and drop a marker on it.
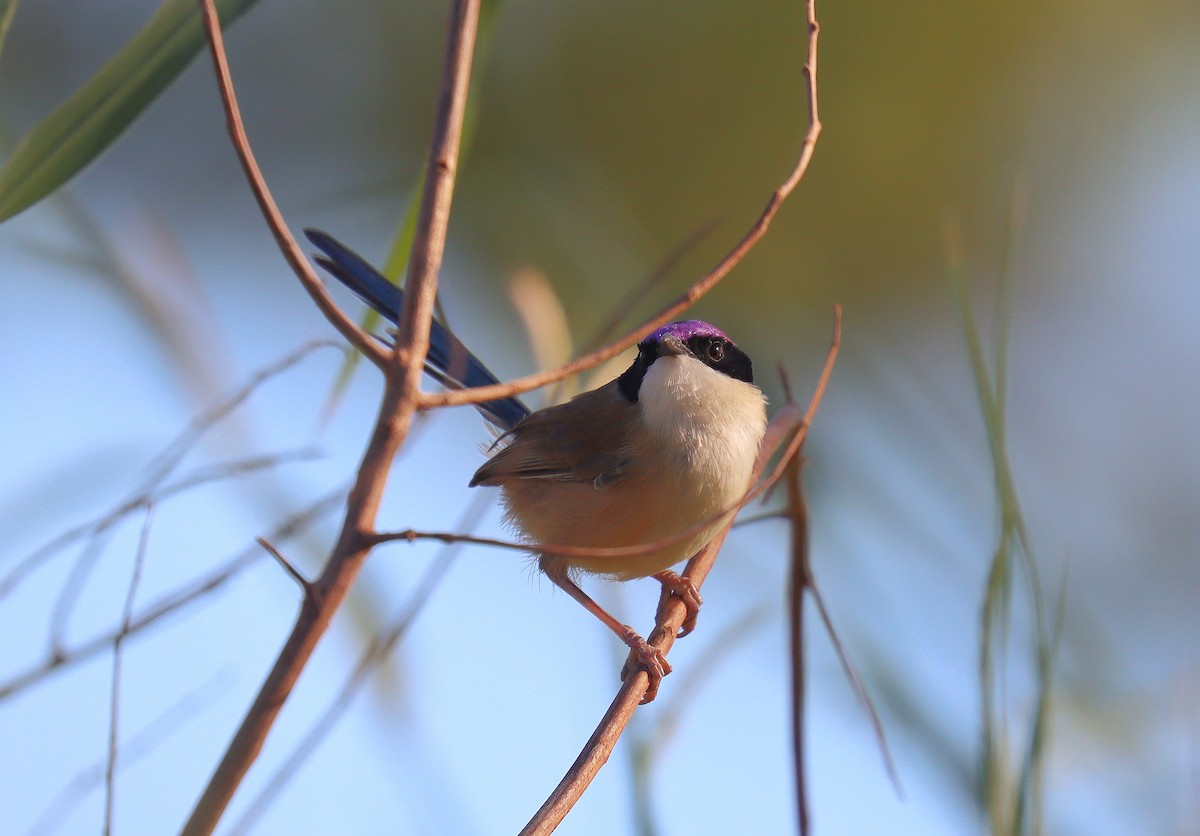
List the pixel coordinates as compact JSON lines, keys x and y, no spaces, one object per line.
{"x":666,"y":446}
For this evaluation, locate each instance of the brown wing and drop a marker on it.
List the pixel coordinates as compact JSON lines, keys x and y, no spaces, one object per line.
{"x":583,"y":440}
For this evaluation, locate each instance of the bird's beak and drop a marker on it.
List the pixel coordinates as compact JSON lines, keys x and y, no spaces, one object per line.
{"x":671,"y":345}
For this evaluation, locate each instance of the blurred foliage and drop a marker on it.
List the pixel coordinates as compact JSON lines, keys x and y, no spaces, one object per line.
{"x":7,"y":9}
{"x":608,"y":134}
{"x":79,"y":130}
{"x":1012,"y":769}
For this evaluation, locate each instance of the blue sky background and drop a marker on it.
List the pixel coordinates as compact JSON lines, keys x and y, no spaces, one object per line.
{"x":150,"y":291}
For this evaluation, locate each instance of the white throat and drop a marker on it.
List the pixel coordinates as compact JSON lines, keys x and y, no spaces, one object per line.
{"x":707,"y":421}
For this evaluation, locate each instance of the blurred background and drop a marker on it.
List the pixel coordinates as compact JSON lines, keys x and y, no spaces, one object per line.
{"x":149,"y":291}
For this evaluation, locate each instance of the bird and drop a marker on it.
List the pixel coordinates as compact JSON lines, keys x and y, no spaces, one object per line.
{"x":658,"y":457}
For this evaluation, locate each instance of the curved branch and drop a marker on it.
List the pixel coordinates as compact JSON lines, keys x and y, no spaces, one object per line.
{"x":480,"y":394}
{"x":401,"y":396}
{"x":295,"y":257}
{"x":787,"y":425}
{"x":169,"y":603}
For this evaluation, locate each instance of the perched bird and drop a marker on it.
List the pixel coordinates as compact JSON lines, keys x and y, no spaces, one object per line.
{"x":666,"y":446}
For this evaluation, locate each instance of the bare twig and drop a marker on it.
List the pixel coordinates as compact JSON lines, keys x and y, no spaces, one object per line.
{"x":377,"y":650}
{"x":115,"y":702}
{"x":158,"y":470}
{"x":169,"y":458}
{"x":401,"y":395}
{"x":799,"y":581}
{"x":802,"y":580}
{"x":69,"y":594}
{"x":637,"y":294}
{"x":429,"y":240}
{"x":766,"y":516}
{"x":857,"y":685}
{"x":307,"y":586}
{"x":620,"y":310}
{"x":295,"y":257}
{"x":600,"y":745}
{"x":169,"y":603}
{"x":649,"y":747}
{"x":133,"y":749}
{"x":692,"y":294}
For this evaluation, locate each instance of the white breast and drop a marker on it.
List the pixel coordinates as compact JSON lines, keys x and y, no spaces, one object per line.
{"x":691,"y":460}
{"x":708,"y":426}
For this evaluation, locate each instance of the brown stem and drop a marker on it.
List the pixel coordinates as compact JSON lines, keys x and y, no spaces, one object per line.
{"x":295,"y":257}
{"x":689,"y":297}
{"x":798,"y":583}
{"x":400,"y":398}
{"x":340,"y":570}
{"x":632,"y":692}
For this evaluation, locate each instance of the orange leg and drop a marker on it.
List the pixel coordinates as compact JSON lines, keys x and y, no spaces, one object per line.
{"x":685,"y":591}
{"x":650,"y":658}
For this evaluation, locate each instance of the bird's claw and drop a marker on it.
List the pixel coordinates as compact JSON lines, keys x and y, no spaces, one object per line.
{"x":645,"y":656}
{"x":686,"y":591}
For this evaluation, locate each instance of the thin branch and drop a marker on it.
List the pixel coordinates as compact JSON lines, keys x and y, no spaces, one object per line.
{"x":802,"y":580}
{"x":638,"y":293}
{"x":169,"y":603}
{"x":377,"y":650}
{"x":132,"y":750}
{"x":835,"y":345}
{"x":115,"y":701}
{"x":295,"y":257}
{"x":799,"y":581}
{"x":766,"y":516}
{"x":648,"y":749}
{"x":632,"y":299}
{"x":433,"y":220}
{"x":857,"y":685}
{"x":457,"y":397}
{"x":786,"y":423}
{"x":401,"y":396}
{"x":169,"y":458}
{"x":307,"y":586}
{"x":633,"y":690}
{"x":69,"y":594}
{"x":158,"y":470}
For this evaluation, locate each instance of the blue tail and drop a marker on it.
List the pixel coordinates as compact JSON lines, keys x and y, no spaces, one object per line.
{"x":449,"y":362}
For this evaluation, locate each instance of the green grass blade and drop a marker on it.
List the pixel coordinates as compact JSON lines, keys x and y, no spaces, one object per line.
{"x":7,"y":8}
{"x":1013,"y":802}
{"x":76,"y":132}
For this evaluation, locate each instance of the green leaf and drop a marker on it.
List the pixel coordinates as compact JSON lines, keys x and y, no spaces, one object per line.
{"x":63,"y":143}
{"x":7,"y":8}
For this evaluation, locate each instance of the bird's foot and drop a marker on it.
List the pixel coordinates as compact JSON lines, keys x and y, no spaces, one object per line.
{"x":647,"y":657}
{"x":683,"y":589}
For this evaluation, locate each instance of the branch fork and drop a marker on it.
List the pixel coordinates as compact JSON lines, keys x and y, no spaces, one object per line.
{"x":402,"y":397}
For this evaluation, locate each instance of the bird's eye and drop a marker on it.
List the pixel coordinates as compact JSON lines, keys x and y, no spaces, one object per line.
{"x":716,"y":351}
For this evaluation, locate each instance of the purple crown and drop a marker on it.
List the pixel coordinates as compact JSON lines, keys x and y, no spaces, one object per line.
{"x":685,"y":329}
